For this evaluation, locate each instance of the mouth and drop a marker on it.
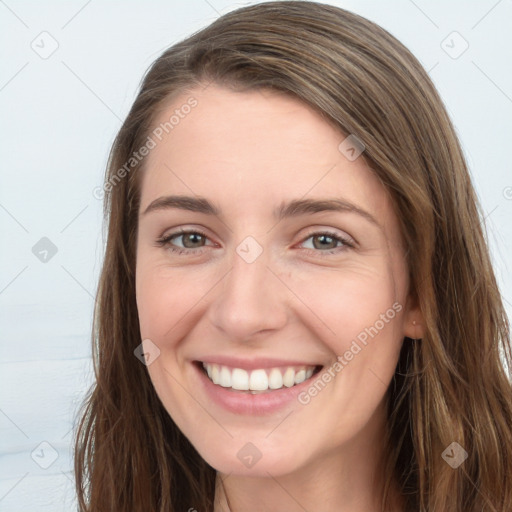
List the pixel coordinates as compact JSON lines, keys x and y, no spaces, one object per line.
{"x":258,"y":380}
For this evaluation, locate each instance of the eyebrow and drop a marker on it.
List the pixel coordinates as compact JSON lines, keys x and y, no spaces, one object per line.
{"x":292,"y":208}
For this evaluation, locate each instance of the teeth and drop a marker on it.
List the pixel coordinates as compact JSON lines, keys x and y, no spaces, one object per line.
{"x":215,"y":374}
{"x":275,"y":379}
{"x":240,"y":378}
{"x":225,"y":377}
{"x":289,"y":377}
{"x":257,"y":380}
{"x":300,"y":376}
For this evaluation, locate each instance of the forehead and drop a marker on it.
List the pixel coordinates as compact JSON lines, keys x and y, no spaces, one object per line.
{"x":236,"y":146}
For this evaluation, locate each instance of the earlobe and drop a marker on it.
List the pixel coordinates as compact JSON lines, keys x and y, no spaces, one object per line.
{"x":418,"y":330}
{"x":414,"y":324}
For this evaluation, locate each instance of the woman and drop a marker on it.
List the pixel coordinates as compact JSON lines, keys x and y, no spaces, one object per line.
{"x":297,"y":309}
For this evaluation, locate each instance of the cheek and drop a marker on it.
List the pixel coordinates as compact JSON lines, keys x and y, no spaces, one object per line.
{"x":359,"y":317}
{"x":164,"y":297}
{"x":163,"y":301}
{"x":347,"y":301}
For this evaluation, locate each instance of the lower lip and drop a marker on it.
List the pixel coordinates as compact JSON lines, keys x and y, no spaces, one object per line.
{"x":247,"y":403}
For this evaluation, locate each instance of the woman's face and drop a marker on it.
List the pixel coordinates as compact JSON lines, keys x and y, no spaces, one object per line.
{"x":281,"y":255}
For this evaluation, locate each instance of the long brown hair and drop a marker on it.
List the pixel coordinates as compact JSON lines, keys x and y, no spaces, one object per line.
{"x":451,"y":386}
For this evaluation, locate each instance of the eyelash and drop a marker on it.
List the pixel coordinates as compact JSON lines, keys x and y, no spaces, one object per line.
{"x":165,"y":241}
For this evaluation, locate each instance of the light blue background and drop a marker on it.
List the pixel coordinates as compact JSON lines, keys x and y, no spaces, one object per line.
{"x":60,"y":115}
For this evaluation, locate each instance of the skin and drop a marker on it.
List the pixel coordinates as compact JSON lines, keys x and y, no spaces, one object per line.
{"x":247,"y":152}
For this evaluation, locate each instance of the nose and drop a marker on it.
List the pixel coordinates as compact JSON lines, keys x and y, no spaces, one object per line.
{"x":250,"y":299}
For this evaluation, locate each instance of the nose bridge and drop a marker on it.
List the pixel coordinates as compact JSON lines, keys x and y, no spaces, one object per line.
{"x":250,"y":298}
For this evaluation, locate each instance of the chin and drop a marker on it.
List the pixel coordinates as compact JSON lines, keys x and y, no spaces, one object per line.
{"x":245,"y":459}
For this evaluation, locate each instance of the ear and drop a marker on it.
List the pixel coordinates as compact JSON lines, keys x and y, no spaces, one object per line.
{"x":414,"y":323}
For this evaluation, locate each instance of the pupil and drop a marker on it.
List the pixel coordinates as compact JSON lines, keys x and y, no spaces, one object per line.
{"x":192,"y":236}
{"x":324,"y":238}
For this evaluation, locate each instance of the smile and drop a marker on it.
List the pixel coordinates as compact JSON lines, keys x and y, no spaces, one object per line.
{"x":261,"y":380}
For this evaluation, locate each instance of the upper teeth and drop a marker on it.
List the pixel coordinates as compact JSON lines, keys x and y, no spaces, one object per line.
{"x":257,"y":380}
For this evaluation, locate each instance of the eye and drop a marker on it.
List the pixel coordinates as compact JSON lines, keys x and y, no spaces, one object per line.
{"x":192,"y":241}
{"x":328,"y":243}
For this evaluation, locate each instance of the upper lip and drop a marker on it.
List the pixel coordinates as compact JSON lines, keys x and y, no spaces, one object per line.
{"x":254,"y":363}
